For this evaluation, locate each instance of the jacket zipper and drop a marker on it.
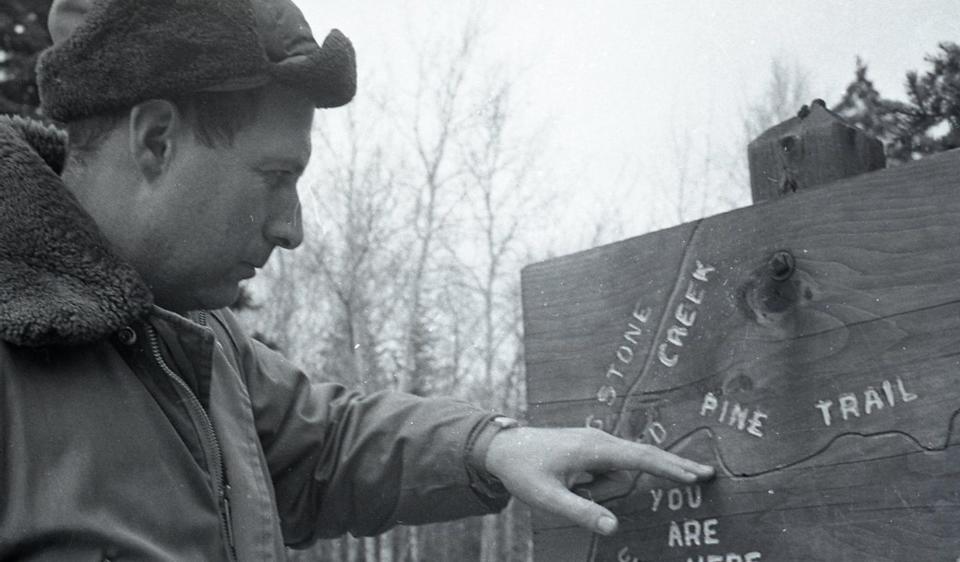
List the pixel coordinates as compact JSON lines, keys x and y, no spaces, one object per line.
{"x":213,"y":444}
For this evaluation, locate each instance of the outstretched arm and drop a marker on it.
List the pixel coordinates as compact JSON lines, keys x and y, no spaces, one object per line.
{"x":539,"y":465}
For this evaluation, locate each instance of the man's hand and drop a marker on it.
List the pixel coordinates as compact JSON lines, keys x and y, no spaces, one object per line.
{"x":539,"y":465}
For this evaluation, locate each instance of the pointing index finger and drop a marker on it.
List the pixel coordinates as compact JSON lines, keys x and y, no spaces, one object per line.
{"x":620,"y":454}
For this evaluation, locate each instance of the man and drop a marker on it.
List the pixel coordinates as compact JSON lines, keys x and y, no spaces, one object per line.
{"x":136,"y":420}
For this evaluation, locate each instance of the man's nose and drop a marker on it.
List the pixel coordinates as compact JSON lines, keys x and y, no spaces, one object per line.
{"x":285,"y":228}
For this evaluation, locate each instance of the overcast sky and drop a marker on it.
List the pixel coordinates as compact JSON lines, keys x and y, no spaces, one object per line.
{"x":615,"y":77}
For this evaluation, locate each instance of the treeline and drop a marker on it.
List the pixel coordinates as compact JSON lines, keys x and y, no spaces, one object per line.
{"x":422,"y":202}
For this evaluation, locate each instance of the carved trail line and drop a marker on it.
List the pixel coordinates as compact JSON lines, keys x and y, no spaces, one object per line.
{"x":595,"y":539}
{"x":661,"y":325}
{"x":728,"y":473}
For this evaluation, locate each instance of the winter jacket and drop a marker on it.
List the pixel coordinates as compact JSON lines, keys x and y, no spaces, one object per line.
{"x":131,"y":432}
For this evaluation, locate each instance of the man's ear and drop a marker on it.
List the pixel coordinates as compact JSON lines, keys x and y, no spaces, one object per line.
{"x":153,"y":128}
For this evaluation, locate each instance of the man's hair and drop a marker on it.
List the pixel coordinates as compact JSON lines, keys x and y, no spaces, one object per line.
{"x":216,"y":117}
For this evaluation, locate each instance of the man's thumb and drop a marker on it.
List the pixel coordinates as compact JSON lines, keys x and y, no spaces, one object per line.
{"x":577,"y":509}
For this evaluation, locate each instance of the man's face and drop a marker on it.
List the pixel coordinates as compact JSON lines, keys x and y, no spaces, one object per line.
{"x":219,"y":211}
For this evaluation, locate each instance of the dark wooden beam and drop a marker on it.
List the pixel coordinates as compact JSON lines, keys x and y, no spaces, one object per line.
{"x":814,"y":148}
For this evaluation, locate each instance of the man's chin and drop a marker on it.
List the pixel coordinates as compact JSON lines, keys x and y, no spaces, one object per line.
{"x":224,"y":293}
{"x":230,"y":297}
{"x":220,"y":297}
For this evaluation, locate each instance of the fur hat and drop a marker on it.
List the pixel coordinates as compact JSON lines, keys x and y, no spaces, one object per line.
{"x":112,"y":54}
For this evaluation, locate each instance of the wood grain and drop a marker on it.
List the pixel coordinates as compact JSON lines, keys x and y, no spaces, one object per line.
{"x":842,"y":371}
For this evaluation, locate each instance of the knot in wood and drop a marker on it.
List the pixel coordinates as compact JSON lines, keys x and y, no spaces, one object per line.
{"x":782,"y":265}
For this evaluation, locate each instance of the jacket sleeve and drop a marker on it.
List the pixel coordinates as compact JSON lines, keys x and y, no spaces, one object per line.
{"x":343,"y":462}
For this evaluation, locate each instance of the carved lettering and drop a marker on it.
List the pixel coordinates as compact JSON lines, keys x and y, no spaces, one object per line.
{"x":633,"y":332}
{"x":739,"y":417}
{"x":702,"y":270}
{"x":888,"y":391}
{"x":871,"y":401}
{"x":693,"y":532}
{"x":824,"y":406}
{"x":657,"y":432}
{"x":625,"y":352}
{"x":674,"y":537}
{"x":667,"y":360}
{"x":677,"y":498}
{"x":675,"y":335}
{"x":729,"y":557}
{"x":709,"y":404}
{"x":685,"y":315}
{"x":755,"y":426}
{"x":607,"y":394}
{"x":849,"y":403}
{"x":733,"y":414}
{"x":694,"y":293}
{"x":642,"y":314}
{"x":612,"y":370}
{"x":694,"y":501}
{"x":674,"y":499}
{"x":623,"y":555}
{"x":904,"y":395}
{"x":657,"y":494}
{"x":710,"y":532}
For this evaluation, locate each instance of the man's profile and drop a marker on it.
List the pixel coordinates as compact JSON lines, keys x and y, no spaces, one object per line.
{"x":137,"y":420}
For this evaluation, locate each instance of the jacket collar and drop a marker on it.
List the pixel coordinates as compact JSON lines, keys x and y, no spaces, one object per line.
{"x":60,"y":283}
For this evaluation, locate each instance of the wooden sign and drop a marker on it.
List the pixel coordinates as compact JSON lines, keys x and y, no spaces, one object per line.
{"x":808,"y":347}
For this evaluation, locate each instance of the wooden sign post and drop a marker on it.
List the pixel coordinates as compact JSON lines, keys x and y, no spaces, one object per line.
{"x":808,"y":347}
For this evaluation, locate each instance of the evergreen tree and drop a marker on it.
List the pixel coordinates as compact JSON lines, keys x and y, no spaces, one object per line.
{"x":927,"y":122}
{"x":23,"y":35}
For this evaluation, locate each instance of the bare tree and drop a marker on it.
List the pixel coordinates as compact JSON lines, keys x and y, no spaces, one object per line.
{"x":409,"y":275}
{"x":439,"y":110}
{"x":787,"y":89}
{"x":500,"y":195}
{"x":705,"y":174}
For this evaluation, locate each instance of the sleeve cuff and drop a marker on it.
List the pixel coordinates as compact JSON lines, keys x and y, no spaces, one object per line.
{"x":488,"y":488}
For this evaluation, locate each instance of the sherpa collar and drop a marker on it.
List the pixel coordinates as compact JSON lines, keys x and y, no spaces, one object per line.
{"x":60,"y":284}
